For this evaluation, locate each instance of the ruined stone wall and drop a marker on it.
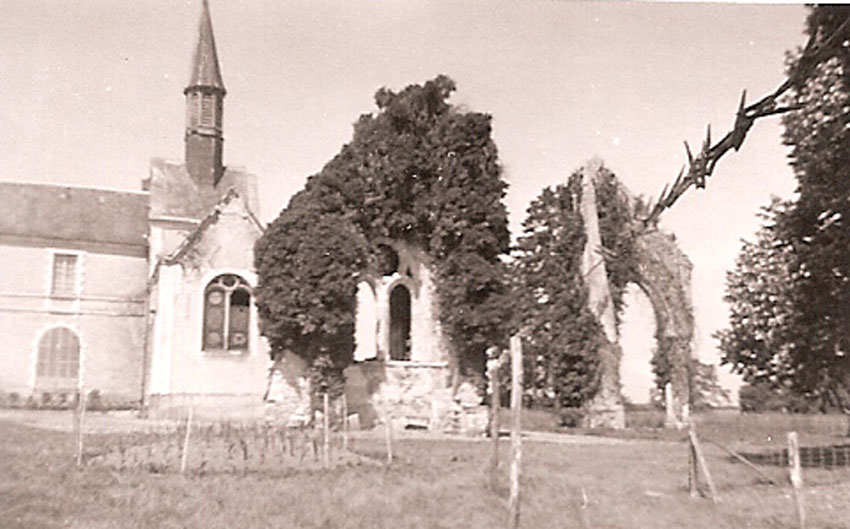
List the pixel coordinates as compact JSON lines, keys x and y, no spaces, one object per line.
{"x":606,"y":408}
{"x":412,"y":393}
{"x":665,"y":276}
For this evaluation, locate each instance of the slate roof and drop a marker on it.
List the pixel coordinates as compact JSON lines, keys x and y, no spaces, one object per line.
{"x":205,"y":70}
{"x":212,"y":217}
{"x":73,"y":214}
{"x":174,"y":193}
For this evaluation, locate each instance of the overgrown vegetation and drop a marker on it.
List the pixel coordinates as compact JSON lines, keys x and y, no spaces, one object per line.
{"x":221,"y":448}
{"x":563,"y":336}
{"x":420,"y":171}
{"x":790,"y":291}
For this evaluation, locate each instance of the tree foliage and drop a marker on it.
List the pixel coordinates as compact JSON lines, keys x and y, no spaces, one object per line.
{"x":307,"y":265}
{"x":790,"y":292}
{"x":706,"y":391}
{"x":420,"y":171}
{"x":758,"y":343}
{"x":563,"y":336}
{"x":817,"y":226}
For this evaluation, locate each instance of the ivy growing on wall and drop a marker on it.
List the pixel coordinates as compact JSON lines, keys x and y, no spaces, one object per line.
{"x":420,"y":171}
{"x":563,"y":336}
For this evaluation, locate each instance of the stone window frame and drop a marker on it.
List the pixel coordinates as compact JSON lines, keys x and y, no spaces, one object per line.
{"x":407,"y":283}
{"x":223,"y":286}
{"x":67,"y":287}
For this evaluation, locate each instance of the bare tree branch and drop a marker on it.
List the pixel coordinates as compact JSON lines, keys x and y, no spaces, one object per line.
{"x":701,"y":166}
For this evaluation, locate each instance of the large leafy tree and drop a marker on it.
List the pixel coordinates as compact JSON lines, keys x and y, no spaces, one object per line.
{"x":760,"y":340}
{"x":563,"y":336}
{"x":421,"y":171}
{"x":308,"y":263}
{"x":817,"y":226}
{"x":790,"y":293}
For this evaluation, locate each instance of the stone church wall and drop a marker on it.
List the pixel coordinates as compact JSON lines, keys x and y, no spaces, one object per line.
{"x":224,"y":384}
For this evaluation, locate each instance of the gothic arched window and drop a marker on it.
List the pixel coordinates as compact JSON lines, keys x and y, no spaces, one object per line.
{"x":227,"y":307}
{"x":58,"y":359}
{"x":400,"y":323}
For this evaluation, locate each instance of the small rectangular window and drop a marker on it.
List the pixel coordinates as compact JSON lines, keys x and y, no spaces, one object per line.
{"x":64,"y":275}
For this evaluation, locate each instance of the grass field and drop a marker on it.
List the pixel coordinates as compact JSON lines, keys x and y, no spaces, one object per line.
{"x":433,"y":483}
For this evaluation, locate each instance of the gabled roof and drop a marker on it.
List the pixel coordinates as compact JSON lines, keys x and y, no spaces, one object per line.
{"x":174,"y":193}
{"x":230,"y":198}
{"x":205,"y":69}
{"x":63,"y":213}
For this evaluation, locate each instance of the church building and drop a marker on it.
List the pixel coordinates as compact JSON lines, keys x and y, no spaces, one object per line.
{"x":145,"y":298}
{"x":140,"y":296}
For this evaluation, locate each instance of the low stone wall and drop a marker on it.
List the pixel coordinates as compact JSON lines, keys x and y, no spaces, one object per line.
{"x":415,"y":393}
{"x":412,"y":394}
{"x":288,"y":397}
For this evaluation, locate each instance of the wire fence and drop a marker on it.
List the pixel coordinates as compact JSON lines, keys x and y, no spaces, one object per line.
{"x":810,"y":456}
{"x":759,"y":463}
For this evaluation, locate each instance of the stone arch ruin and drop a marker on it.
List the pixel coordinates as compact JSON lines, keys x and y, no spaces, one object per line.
{"x":664,"y":275}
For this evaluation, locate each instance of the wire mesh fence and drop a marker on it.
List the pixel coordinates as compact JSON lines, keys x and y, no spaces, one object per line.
{"x":750,"y":461}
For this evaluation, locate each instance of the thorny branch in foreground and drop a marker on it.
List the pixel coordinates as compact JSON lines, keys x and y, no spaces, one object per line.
{"x":702,"y":165}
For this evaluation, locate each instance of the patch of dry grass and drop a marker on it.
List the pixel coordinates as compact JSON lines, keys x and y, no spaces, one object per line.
{"x":432,"y":484}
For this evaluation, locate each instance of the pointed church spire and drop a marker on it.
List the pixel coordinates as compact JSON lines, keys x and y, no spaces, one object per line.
{"x":205,"y":69}
{"x":204,"y":108}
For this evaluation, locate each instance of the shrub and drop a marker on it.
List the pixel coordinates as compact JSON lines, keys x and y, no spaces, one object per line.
{"x":571,"y":417}
{"x":94,"y":401}
{"x":762,"y":397}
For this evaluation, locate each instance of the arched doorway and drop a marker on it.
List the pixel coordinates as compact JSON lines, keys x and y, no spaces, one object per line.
{"x":365,"y":323}
{"x":400,"y":323}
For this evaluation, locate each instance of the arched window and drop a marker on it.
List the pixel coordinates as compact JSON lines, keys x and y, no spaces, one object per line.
{"x":227,"y":308}
{"x":58,"y":363}
{"x":400,"y":323}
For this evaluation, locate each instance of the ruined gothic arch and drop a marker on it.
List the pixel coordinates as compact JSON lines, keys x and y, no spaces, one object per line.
{"x":394,"y":317}
{"x":664,"y":275}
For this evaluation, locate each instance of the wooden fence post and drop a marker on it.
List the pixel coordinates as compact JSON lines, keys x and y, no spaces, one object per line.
{"x":80,"y":419}
{"x":494,"y":418}
{"x":796,"y":475}
{"x":388,"y":424}
{"x":344,"y":423}
{"x":585,"y":518}
{"x":326,"y":437}
{"x":516,"y":426}
{"x":185,"y":455}
{"x":697,"y":452}
{"x":693,"y":473}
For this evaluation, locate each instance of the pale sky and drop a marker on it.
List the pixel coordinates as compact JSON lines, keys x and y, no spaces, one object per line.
{"x":92,"y":89}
